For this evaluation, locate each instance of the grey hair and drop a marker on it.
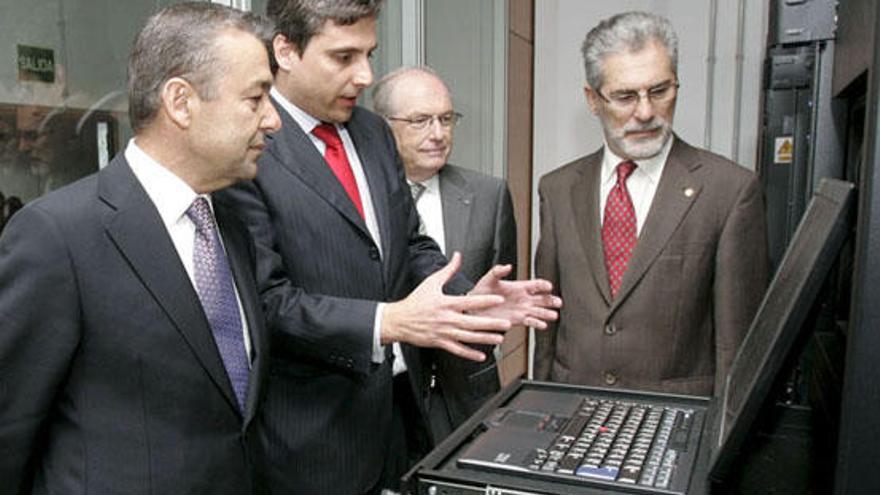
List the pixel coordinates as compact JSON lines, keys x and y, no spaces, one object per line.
{"x":179,"y":41}
{"x":384,"y":88}
{"x":626,"y":32}
{"x":300,"y":20}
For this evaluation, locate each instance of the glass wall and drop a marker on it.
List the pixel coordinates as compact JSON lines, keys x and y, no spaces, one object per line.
{"x":63,"y":104}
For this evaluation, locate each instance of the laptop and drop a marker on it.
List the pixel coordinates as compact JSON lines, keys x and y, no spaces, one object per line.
{"x":641,"y":442}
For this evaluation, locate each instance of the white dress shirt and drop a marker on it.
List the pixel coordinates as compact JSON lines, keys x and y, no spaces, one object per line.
{"x":172,"y":197}
{"x":430,"y":208}
{"x":641,"y":184}
{"x":307,"y":123}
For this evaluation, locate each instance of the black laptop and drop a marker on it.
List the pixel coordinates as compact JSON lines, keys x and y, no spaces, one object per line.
{"x":638,"y":442}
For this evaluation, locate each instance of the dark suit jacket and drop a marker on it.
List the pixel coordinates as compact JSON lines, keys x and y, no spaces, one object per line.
{"x":478,"y":221}
{"x":327,"y":414}
{"x":110,"y":381}
{"x":694,"y":282}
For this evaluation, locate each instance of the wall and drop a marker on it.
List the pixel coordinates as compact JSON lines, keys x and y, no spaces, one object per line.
{"x":91,"y":40}
{"x":464,"y":42}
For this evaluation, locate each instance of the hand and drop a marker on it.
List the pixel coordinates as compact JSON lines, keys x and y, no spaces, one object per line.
{"x":429,"y":318}
{"x":526,"y":302}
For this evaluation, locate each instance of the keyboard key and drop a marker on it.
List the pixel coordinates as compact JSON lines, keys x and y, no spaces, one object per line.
{"x":599,"y":473}
{"x":568,"y":464}
{"x":629,"y":474}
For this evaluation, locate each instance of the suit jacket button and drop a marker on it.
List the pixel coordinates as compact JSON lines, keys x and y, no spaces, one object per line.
{"x":610,"y":329}
{"x":610,"y":378}
{"x":374,"y":254}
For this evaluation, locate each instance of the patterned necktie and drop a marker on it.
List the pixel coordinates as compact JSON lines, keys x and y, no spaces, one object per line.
{"x":619,"y":230}
{"x":417,"y":189}
{"x":214,"y":285}
{"x":334,"y":155}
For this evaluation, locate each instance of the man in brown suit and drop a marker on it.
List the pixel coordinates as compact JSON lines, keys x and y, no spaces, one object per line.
{"x":657,"y":247}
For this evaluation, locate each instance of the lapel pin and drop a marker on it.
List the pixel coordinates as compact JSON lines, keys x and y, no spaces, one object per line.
{"x":689,"y":192}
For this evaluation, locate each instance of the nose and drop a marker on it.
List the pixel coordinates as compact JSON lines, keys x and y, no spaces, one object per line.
{"x":436,"y":129}
{"x":363,"y":73}
{"x":644,"y":111}
{"x":271,"y":121}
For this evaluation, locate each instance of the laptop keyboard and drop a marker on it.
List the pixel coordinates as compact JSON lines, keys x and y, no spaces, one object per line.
{"x":618,"y":441}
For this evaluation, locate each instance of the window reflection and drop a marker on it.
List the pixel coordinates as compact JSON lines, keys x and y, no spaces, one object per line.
{"x":61,"y":126}
{"x":43,"y":148}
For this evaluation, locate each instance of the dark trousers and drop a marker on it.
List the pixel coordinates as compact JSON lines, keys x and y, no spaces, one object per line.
{"x":410,"y":440}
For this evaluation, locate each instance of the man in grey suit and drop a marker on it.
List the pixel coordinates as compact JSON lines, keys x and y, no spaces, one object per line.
{"x":132,"y":349}
{"x":344,"y":272}
{"x":461,"y":210}
{"x":658,"y":248}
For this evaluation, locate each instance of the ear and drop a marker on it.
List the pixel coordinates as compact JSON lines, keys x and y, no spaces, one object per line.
{"x":178,"y":101}
{"x":592,"y":99}
{"x":285,"y":52}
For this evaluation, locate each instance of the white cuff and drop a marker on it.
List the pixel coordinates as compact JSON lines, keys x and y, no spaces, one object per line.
{"x":378,"y":348}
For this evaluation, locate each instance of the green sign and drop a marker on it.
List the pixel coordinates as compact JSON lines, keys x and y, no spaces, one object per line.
{"x":36,"y":64}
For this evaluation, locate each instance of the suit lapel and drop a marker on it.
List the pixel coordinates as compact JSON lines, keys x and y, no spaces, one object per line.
{"x":235,"y":242}
{"x":294,"y":150}
{"x":373,"y":163}
{"x":676,"y":192}
{"x":457,"y":200}
{"x":137,"y":231}
{"x":585,"y":203}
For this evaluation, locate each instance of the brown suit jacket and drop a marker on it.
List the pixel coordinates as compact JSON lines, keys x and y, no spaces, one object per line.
{"x":694,"y":282}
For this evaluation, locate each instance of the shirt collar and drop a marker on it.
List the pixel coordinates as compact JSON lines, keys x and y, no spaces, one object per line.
{"x":650,"y":168}
{"x":305,"y":121}
{"x":169,"y":193}
{"x":432,"y":184}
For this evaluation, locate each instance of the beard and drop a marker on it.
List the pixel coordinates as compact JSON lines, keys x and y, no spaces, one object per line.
{"x":638,"y":148}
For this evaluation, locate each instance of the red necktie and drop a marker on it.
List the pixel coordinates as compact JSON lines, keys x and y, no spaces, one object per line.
{"x":619,"y":229}
{"x":335,"y":156}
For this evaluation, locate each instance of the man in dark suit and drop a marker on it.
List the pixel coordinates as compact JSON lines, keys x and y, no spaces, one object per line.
{"x":344,"y":273}
{"x":132,"y":350}
{"x":659,"y":248}
{"x":462,"y":210}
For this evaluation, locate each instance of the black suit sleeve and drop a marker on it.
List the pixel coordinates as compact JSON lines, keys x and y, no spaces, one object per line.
{"x":505,"y":231}
{"x":40,"y":332}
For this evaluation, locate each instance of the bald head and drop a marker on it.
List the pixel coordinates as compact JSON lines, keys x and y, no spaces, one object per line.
{"x":386,"y":92}
{"x":418,"y":106}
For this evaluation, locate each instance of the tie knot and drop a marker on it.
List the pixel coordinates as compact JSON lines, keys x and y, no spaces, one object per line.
{"x":200,"y":213}
{"x":327,"y":133}
{"x":417,"y":189}
{"x":624,"y":170}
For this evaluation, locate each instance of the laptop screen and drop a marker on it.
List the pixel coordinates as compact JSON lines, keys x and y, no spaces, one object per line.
{"x":780,"y":317}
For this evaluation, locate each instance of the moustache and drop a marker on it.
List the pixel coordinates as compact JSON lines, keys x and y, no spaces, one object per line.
{"x":654,"y":125}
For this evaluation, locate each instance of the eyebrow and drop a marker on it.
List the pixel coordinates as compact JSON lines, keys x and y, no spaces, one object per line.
{"x":649,"y":88}
{"x":262,"y":83}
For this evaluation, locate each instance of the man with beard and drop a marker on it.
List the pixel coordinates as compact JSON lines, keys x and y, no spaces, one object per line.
{"x":657,"y":247}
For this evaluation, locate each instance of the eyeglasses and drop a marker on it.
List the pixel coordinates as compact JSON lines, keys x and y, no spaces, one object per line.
{"x":627,"y":100}
{"x":422,"y":122}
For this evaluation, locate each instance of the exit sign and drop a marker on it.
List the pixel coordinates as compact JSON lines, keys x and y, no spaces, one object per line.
{"x":36,"y":64}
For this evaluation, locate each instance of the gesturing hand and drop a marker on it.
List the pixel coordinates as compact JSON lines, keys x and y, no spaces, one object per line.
{"x":429,"y":318}
{"x":526,"y":302}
